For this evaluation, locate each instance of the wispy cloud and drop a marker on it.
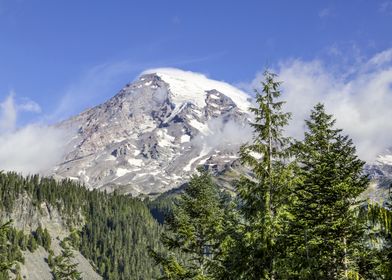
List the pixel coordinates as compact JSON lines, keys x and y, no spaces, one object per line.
{"x":324,"y":13}
{"x":381,"y":59}
{"x":8,"y":114}
{"x":386,"y":7}
{"x":9,"y":110}
{"x":175,"y":20}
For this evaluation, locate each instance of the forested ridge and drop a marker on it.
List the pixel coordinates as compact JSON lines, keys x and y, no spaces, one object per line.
{"x":113,"y":231}
{"x":295,"y":215}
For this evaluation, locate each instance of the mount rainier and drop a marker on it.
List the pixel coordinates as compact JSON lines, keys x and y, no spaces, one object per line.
{"x":150,"y":136}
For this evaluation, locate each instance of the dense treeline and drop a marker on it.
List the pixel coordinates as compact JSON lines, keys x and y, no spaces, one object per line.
{"x":113,"y":231}
{"x":297,"y":216}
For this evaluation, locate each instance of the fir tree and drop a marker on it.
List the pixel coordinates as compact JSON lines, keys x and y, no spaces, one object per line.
{"x":64,"y":268}
{"x":5,"y":263}
{"x":193,"y":230}
{"x":263,"y":196}
{"x":326,"y":233}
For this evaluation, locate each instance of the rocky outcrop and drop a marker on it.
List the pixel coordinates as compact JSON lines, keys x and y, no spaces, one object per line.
{"x":28,"y":217}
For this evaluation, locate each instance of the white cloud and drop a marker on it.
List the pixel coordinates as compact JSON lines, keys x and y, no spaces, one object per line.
{"x":361,"y":102}
{"x":31,"y":149}
{"x":324,"y":13}
{"x":28,"y":105}
{"x":8,"y":114}
{"x":222,"y":133}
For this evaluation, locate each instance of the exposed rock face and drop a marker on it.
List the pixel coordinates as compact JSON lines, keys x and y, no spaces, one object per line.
{"x":27,"y":217}
{"x":150,"y":137}
{"x":380,"y":171}
{"x":36,"y":267}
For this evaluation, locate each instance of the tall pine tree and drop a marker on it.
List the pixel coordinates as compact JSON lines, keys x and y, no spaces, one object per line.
{"x":263,"y":196}
{"x":326,"y":233}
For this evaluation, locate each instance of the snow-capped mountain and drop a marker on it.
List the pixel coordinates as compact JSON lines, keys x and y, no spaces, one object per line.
{"x":150,"y":137}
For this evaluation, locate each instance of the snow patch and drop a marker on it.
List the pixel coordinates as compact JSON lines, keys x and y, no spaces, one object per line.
{"x":135,"y":162}
{"x":165,"y":140}
{"x":202,"y":154}
{"x":214,"y":105}
{"x":122,"y":171}
{"x":110,"y":158}
{"x":200,"y":126}
{"x":185,"y":138}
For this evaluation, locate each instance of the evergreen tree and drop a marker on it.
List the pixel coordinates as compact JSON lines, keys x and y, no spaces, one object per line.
{"x":64,"y":268}
{"x":193,"y":230}
{"x":32,"y":244}
{"x":5,"y":263}
{"x":380,"y":232}
{"x":264,"y":195}
{"x":326,"y":232}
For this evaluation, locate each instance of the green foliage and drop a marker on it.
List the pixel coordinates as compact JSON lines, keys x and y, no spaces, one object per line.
{"x":42,"y":238}
{"x":161,"y":207}
{"x":114,"y":230}
{"x":193,"y":229}
{"x":5,"y":263}
{"x":32,"y":244}
{"x":380,"y":233}
{"x":326,"y":234}
{"x":63,"y":266}
{"x":11,"y":243}
{"x":263,"y":196}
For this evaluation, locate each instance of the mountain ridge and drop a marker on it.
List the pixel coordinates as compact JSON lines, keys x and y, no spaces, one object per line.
{"x":153,"y":133}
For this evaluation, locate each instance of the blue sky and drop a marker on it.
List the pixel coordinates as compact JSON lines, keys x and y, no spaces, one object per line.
{"x":67,"y":55}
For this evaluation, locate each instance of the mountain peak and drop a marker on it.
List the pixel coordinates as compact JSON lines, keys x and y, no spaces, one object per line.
{"x":187,"y":86}
{"x":150,"y":136}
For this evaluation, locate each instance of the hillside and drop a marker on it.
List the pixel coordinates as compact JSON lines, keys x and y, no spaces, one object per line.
{"x":110,"y":234}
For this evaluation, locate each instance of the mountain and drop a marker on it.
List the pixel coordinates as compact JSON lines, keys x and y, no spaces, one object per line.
{"x":380,"y":171}
{"x":152,"y":134}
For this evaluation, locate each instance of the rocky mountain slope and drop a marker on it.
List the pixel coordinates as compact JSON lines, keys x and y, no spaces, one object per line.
{"x":150,"y":137}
